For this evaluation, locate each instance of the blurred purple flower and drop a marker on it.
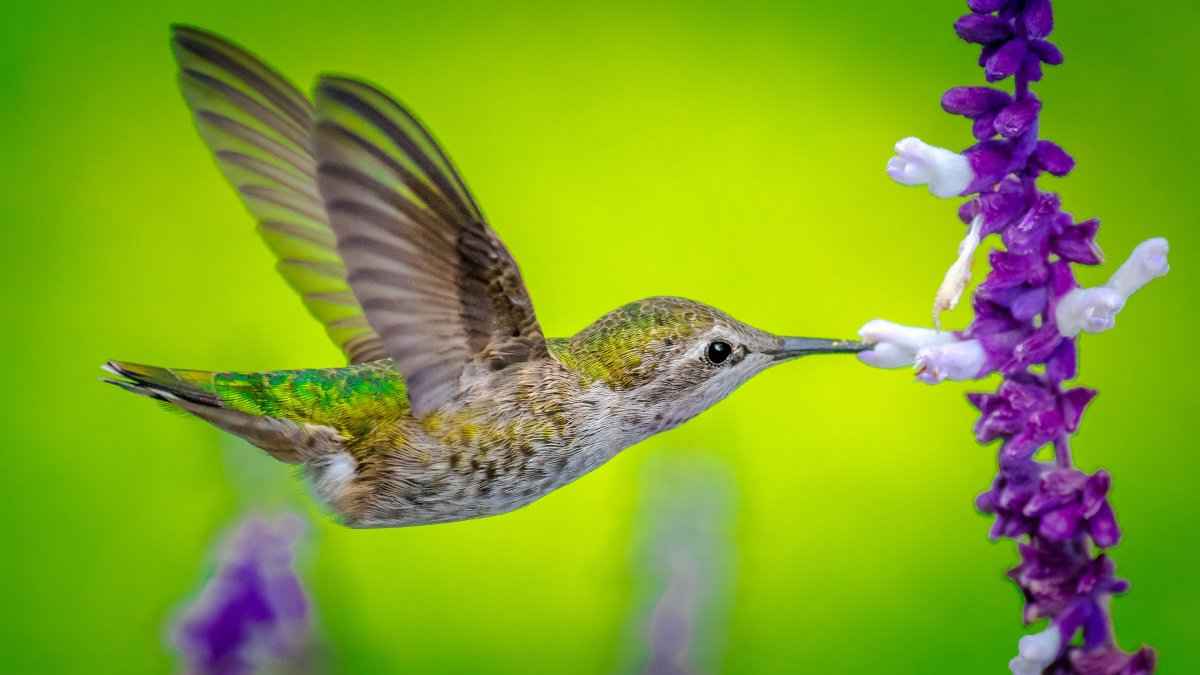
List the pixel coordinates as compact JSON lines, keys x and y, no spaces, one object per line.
{"x":1028,"y":313}
{"x":253,"y":612}
{"x":683,"y":566}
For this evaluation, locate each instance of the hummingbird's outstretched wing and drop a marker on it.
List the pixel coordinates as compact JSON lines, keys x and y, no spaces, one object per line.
{"x":436,"y":282}
{"x":259,"y":127}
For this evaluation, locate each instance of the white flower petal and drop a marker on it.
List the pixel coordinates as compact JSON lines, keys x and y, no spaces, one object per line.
{"x":918,"y":163}
{"x":908,"y":337}
{"x":1036,"y":652}
{"x":1095,"y":309}
{"x":961,"y":360}
{"x":1090,"y":309}
{"x":887,"y":355}
{"x":1147,"y":262}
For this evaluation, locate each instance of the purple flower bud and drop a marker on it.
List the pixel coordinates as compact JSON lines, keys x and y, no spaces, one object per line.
{"x":1010,"y":10}
{"x":1010,"y":269}
{"x":974,"y":101}
{"x":1062,"y":279}
{"x":1037,"y":347}
{"x":1073,"y":403}
{"x":1046,"y":425}
{"x":1001,"y":422}
{"x":1017,"y":118}
{"x":985,"y":403}
{"x":985,"y":6}
{"x":1029,"y":236}
{"x":1061,"y":364}
{"x":1047,"y":51}
{"x":1001,"y":208}
{"x":1029,"y":304}
{"x":1058,"y":488}
{"x":1142,"y":662}
{"x":994,"y":303}
{"x":1021,"y":447}
{"x":1015,"y":527}
{"x":1078,"y":244}
{"x":986,"y":502}
{"x":1102,"y":527}
{"x":982,"y":28}
{"x":1005,"y":61}
{"x":1095,"y":490}
{"x":968,"y":210}
{"x":1026,"y":394}
{"x":1052,"y":158}
{"x":1061,"y":524}
{"x":1096,"y":632}
{"x":1016,"y":492}
{"x":1095,"y":575}
{"x":998,"y":347}
{"x":1038,"y":17}
{"x":1031,"y":68}
{"x":990,"y":161}
{"x":1071,"y":619}
{"x":984,"y":127}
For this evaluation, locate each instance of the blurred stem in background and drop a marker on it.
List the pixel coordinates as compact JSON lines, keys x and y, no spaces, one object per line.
{"x":682,"y":558}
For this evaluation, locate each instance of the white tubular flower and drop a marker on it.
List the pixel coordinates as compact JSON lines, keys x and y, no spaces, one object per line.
{"x":896,"y":346}
{"x":1147,"y":263}
{"x":887,"y":355}
{"x":1036,"y":652}
{"x":1095,"y":309}
{"x":959,"y":274}
{"x":962,"y":360}
{"x":918,"y":163}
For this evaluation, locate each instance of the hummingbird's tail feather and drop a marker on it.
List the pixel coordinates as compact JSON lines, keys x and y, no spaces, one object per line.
{"x":195,"y":391}
{"x":164,"y":384}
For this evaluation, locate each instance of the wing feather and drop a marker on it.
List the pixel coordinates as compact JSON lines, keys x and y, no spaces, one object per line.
{"x":435,"y":281}
{"x":259,"y":128}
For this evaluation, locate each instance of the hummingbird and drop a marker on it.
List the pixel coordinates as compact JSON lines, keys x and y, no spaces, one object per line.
{"x":454,"y":405}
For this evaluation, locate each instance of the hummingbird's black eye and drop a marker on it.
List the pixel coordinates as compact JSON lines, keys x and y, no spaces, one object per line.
{"x":718,"y":351}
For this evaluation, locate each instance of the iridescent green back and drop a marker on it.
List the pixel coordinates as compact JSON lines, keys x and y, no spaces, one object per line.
{"x":354,"y":400}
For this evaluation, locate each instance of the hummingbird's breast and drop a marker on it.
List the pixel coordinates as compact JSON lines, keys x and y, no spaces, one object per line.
{"x":511,"y":438}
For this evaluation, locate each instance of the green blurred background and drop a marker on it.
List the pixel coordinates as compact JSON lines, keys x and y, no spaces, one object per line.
{"x":731,"y":153}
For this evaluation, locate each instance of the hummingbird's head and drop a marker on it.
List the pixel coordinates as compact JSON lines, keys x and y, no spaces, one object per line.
{"x":672,"y":358}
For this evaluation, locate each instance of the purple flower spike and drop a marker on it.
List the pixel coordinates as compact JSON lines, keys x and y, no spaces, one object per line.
{"x":253,"y":612}
{"x":1029,"y":312}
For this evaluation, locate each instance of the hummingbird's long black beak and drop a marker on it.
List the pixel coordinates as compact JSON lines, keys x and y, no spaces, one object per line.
{"x":792,"y":347}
